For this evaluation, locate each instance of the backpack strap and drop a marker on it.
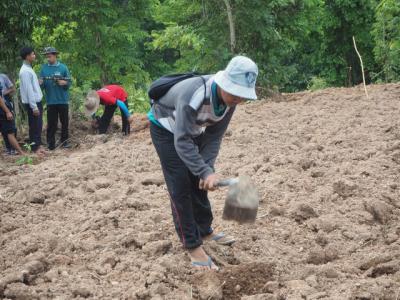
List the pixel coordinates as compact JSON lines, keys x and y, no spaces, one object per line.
{"x":172,"y":108}
{"x":205,"y":89}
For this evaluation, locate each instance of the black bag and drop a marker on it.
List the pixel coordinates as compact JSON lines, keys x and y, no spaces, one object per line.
{"x":163,"y":84}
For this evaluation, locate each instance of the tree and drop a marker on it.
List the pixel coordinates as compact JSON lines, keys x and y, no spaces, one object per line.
{"x":17,"y":19}
{"x":341,"y":20}
{"x":231,"y":23}
{"x":386,"y":33}
{"x":102,"y":40}
{"x":267,"y":31}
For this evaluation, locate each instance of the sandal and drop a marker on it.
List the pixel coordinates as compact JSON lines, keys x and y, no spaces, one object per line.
{"x":209,"y":263}
{"x":222,"y":239}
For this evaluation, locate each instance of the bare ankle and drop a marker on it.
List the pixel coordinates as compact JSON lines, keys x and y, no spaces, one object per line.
{"x":198,"y":253}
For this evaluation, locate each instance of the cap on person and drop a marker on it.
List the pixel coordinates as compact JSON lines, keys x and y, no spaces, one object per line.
{"x":50,"y":50}
{"x":92,"y":103}
{"x":239,"y":78}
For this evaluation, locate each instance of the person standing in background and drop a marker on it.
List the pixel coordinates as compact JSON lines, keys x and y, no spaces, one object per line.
{"x":7,"y":125}
{"x":7,"y":88}
{"x":31,"y":96}
{"x":55,"y":79}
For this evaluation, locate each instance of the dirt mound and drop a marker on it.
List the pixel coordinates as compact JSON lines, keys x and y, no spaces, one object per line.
{"x":95,"y":222}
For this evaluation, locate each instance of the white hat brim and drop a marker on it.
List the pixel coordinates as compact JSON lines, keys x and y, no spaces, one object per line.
{"x":233,"y":88}
{"x":90,"y":112}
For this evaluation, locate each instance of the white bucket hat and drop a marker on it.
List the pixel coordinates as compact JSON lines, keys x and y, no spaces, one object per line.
{"x":92,"y":103}
{"x":239,"y":78}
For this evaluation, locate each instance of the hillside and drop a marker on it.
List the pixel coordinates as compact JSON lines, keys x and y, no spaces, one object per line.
{"x":95,"y":222}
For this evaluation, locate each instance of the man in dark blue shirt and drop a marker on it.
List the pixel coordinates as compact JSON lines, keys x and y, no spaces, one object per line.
{"x":55,"y":79}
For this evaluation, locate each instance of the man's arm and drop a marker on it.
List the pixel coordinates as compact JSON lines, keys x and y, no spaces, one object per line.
{"x":10,"y":88}
{"x":188,"y":151}
{"x":211,"y":141}
{"x":4,"y":107}
{"x":27,"y":89}
{"x":9,"y":91}
{"x":123,"y":108}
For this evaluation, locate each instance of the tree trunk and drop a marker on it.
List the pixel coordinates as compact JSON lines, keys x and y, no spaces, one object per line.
{"x":231,"y":25}
{"x":103,"y":74}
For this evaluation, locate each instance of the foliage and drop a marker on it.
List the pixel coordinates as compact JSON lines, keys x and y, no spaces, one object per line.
{"x":386,"y":32}
{"x":199,"y":34}
{"x":140,"y":103}
{"x":291,"y":40}
{"x":317,"y":83}
{"x":297,"y":44}
{"x":77,"y":96}
{"x":26,"y":159}
{"x":101,"y":40}
{"x":341,"y":20}
{"x":17,"y":19}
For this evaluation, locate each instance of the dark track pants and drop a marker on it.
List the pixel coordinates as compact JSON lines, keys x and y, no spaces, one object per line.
{"x":35,"y":126}
{"x":105,"y":119}
{"x":191,"y":209}
{"x":54,"y":112}
{"x":6,"y":141}
{"x":7,"y":127}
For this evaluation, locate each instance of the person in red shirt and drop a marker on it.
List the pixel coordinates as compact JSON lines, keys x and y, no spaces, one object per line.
{"x":111,"y":96}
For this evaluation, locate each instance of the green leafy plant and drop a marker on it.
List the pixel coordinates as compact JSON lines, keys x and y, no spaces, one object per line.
{"x":138,"y":100}
{"x":26,"y":159}
{"x":317,"y":83}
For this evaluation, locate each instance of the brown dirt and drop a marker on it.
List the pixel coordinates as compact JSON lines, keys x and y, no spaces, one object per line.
{"x":95,"y":222}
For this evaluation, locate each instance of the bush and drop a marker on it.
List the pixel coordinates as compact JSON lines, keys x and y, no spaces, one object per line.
{"x":138,"y":100}
{"x":317,"y":83}
{"x":77,"y":98}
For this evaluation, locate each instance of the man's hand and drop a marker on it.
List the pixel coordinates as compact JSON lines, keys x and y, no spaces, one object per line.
{"x":36,"y":113}
{"x":209,"y":184}
{"x":62,"y":82}
{"x":9,"y":116}
{"x":130,"y":119}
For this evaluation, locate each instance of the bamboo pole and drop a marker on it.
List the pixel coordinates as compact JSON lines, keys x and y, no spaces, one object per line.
{"x":362,"y":67}
{"x":231,"y":25}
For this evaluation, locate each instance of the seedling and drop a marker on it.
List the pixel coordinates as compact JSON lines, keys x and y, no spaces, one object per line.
{"x":26,"y":159}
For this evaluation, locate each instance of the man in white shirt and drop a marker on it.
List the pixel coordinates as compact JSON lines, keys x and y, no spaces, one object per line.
{"x":31,"y":96}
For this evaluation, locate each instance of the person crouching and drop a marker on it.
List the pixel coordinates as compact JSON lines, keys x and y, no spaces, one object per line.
{"x":111,"y":96}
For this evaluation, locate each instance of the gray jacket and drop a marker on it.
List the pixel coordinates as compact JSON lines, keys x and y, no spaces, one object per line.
{"x":187,"y":111}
